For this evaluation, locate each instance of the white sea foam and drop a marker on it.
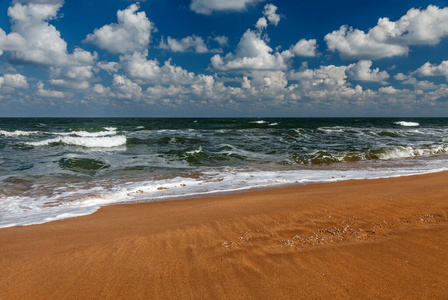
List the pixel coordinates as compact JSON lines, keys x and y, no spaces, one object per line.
{"x":407,"y":152}
{"x":17,"y":133}
{"x":20,"y":210}
{"x":407,"y":124}
{"x":195,"y":151}
{"x":331,"y":129}
{"x":88,"y":142}
{"x":259,"y":122}
{"x":93,"y":134}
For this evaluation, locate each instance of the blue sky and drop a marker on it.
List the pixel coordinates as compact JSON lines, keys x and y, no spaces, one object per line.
{"x":214,"y":58}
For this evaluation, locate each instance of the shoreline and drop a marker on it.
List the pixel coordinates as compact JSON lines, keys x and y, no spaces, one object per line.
{"x":371,"y":238}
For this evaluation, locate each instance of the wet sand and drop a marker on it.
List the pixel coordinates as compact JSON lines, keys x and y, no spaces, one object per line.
{"x":381,"y":238}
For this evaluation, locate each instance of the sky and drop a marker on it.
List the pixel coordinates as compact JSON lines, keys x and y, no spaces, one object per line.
{"x":216,"y":58}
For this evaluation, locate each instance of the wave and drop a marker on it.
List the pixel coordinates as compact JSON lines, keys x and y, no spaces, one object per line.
{"x":326,"y":158}
{"x":82,"y":133}
{"x":82,"y":165}
{"x":18,"y":133}
{"x":259,"y":122}
{"x":407,"y":124}
{"x":331,"y":129}
{"x":88,"y":142}
{"x":93,"y":134}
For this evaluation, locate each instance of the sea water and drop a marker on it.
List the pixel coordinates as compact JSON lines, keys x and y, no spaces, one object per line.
{"x":52,"y":169}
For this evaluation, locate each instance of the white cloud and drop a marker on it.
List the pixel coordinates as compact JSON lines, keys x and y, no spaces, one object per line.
{"x":400,"y":77}
{"x":221,"y":40}
{"x":270,"y":13}
{"x":137,"y":66}
{"x":206,"y":7}
{"x":272,"y":80}
{"x":356,"y":44}
{"x":252,"y":53}
{"x":429,"y":69}
{"x":110,"y":67}
{"x":262,"y":23}
{"x":125,"y":88}
{"x":326,"y":77}
{"x":145,"y":71}
{"x":16,"y":81}
{"x":41,"y":92}
{"x":305,"y":48}
{"x":34,"y":40}
{"x":39,"y":1}
{"x":389,"y":90}
{"x":68,"y":84}
{"x":131,"y":33}
{"x":189,"y":43}
{"x":362,"y":71}
{"x":420,"y":84}
{"x":101,"y":90}
{"x":74,"y":72}
{"x":388,"y":38}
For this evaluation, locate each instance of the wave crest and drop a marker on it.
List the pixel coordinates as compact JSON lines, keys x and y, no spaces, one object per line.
{"x":17,"y":133}
{"x":88,"y":142}
{"x":407,"y":124}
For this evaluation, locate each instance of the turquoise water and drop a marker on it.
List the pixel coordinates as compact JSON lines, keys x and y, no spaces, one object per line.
{"x":57,"y":168}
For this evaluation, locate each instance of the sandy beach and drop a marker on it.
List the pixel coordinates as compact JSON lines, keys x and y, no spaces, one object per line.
{"x":380,"y":238}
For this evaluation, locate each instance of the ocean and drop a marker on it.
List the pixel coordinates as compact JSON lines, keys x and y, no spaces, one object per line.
{"x":56,"y":168}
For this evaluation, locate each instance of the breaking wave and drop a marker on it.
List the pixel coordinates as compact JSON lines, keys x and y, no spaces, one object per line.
{"x":18,"y":133}
{"x":88,"y":142}
{"x":407,"y":124}
{"x":325,"y":157}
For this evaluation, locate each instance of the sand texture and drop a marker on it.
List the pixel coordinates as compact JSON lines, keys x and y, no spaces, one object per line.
{"x":366,"y":239}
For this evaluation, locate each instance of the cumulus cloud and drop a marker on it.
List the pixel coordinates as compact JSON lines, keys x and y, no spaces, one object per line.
{"x":390,"y":90}
{"x":44,"y":93}
{"x":272,"y":80}
{"x":207,"y":7}
{"x":68,"y":84}
{"x":269,"y":14}
{"x":109,"y":66}
{"x":327,"y":77}
{"x":421,"y":84}
{"x":33,"y":40}
{"x":131,"y":33}
{"x":306,"y":48}
{"x":221,"y":40}
{"x":39,"y":1}
{"x":429,"y":69}
{"x":400,"y":77}
{"x":362,"y":71}
{"x":145,"y":71}
{"x":262,"y":23}
{"x":189,"y":43}
{"x":252,"y":53}
{"x":16,"y":81}
{"x":126,"y":88}
{"x":356,"y":44}
{"x":388,"y":38}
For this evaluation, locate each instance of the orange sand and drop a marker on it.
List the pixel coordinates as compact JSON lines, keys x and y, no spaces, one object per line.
{"x":383,"y":238}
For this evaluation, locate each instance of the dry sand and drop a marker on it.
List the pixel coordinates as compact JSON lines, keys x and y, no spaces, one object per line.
{"x":382,"y":238}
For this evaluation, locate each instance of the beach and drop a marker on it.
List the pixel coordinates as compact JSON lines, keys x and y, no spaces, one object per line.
{"x":377,"y":238}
